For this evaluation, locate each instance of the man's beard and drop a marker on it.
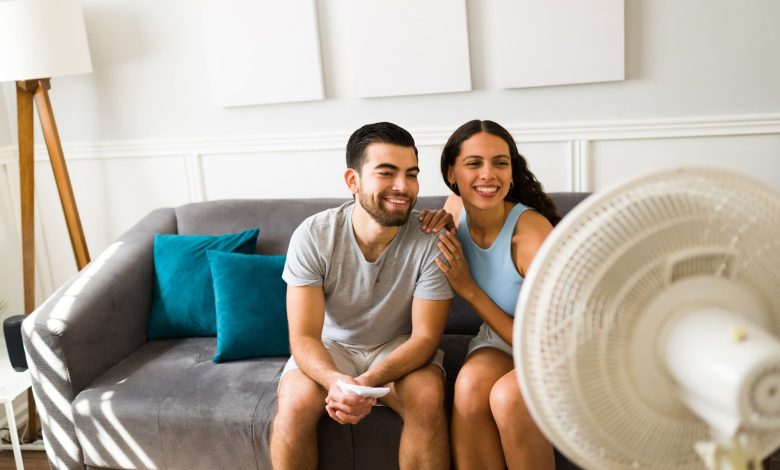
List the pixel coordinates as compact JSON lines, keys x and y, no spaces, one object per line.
{"x":375,"y":208}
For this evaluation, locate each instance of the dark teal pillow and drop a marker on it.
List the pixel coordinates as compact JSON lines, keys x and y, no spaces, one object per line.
{"x":183,"y":297}
{"x":251,"y":300}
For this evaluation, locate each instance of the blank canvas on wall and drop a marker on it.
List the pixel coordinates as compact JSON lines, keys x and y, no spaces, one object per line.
{"x":556,"y":42}
{"x":408,"y":47}
{"x":262,"y":51}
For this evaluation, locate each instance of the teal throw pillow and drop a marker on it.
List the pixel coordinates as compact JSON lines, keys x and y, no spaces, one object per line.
{"x":183,"y":297}
{"x":251,"y":306}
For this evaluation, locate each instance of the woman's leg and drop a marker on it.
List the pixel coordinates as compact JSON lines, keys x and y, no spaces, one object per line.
{"x":524,"y":445}
{"x":475,"y":440}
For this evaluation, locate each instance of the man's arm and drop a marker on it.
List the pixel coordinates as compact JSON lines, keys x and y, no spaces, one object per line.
{"x":428,"y":320}
{"x":306,"y":316}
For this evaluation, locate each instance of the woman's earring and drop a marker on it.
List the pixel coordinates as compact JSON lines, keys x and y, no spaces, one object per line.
{"x":454,"y":186}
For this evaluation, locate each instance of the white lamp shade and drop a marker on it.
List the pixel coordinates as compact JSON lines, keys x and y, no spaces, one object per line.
{"x":42,"y":39}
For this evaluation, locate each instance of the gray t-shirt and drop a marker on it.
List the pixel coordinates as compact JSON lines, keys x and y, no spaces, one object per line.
{"x":365,"y":303}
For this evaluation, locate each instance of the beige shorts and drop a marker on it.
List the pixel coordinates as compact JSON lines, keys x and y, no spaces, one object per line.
{"x":355,"y":359}
{"x":487,"y":338}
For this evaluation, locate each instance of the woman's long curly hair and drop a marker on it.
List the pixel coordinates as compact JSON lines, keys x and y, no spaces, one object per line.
{"x":526,"y":189}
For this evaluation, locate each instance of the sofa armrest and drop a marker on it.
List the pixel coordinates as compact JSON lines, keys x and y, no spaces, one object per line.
{"x":90,"y":324}
{"x":100,"y":316}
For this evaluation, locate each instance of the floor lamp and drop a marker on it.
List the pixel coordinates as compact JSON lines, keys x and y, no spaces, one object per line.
{"x":39,"y":40}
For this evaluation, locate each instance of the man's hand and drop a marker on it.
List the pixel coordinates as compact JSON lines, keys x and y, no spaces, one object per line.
{"x":345,"y":408}
{"x":432,"y":221}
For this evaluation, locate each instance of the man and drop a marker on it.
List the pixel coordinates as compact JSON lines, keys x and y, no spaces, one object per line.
{"x":366,"y":305}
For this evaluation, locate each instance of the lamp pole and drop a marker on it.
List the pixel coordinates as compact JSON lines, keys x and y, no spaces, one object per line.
{"x":28,"y":91}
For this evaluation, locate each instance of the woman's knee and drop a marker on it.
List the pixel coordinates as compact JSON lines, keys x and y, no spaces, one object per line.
{"x":472,"y":393}
{"x":507,"y":405}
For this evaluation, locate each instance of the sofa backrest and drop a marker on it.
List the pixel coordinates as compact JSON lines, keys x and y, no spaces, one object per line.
{"x":278,"y":218}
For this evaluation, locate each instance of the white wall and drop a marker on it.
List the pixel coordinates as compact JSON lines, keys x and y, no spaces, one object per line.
{"x":5,"y":128}
{"x":692,"y":58}
{"x":10,"y":260}
{"x":703,"y":86}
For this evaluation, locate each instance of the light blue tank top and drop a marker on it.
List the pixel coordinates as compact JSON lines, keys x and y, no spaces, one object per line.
{"x":493,"y":269}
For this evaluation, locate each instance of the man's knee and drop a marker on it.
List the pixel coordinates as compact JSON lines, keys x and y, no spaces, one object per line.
{"x":423,"y":393}
{"x":300,"y":401}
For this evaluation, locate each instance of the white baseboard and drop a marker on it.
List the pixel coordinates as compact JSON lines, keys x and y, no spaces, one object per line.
{"x":7,"y":154}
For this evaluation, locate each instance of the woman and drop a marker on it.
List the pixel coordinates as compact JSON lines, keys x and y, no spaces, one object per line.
{"x":507,"y":217}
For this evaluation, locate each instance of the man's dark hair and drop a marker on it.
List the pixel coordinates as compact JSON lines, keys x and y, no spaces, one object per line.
{"x":377,"y":133}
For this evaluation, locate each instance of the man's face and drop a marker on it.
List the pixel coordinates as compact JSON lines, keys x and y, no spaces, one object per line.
{"x":387,"y":185}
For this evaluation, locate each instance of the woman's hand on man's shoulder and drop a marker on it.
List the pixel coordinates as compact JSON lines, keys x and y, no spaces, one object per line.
{"x":434,"y":220}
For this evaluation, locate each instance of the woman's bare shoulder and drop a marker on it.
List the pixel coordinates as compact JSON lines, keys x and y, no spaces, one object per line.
{"x":531,"y":230}
{"x":454,"y":205}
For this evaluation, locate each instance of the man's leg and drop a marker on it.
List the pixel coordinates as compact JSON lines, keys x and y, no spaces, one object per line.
{"x":418,"y":398}
{"x":301,"y":404}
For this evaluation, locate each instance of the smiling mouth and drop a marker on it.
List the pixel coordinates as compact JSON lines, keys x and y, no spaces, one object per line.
{"x":397,"y":200}
{"x":486,"y":190}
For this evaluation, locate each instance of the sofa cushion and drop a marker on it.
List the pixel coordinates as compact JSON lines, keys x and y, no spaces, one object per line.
{"x":165,"y":402}
{"x":183,"y":296}
{"x":251,"y":305}
{"x":278,"y":217}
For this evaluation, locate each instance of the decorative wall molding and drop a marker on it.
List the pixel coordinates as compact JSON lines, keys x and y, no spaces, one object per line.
{"x":8,"y":154}
{"x":579,"y":169}
{"x":651,"y":129}
{"x":431,"y":136}
{"x":579,"y":166}
{"x":195,"y":178}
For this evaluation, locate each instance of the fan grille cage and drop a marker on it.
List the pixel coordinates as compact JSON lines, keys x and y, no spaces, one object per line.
{"x":595,"y":275}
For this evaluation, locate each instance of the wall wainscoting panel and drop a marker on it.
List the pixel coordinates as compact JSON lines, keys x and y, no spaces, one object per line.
{"x":117,"y":183}
{"x":757,"y":156}
{"x":11,"y":289}
{"x":7,"y":155}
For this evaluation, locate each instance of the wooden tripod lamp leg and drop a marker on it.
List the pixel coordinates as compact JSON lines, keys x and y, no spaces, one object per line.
{"x":52,"y":137}
{"x":24,"y":108}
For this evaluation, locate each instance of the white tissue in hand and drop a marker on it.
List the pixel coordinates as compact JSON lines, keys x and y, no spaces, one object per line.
{"x":362,"y":390}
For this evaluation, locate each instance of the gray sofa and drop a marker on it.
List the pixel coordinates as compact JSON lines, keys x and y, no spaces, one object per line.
{"x":108,"y":398}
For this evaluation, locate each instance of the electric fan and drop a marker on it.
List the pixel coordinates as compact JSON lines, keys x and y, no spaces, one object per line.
{"x":646,"y":329}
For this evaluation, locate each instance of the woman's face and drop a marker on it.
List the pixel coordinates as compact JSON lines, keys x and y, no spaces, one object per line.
{"x":482,"y":170}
